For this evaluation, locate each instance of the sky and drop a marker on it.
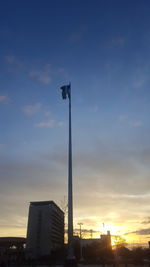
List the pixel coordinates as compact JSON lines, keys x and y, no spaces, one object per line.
{"x":103,"y":49}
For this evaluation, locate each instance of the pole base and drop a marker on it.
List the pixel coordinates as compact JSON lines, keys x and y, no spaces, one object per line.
{"x":82,"y":259}
{"x":70,"y":263}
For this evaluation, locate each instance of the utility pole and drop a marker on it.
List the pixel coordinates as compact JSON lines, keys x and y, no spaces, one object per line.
{"x":80,"y":224}
{"x":103,"y":228}
{"x":81,"y":257}
{"x":66,"y":93}
{"x":91,"y":231}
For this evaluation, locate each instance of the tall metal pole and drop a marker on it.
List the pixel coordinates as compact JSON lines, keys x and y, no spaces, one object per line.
{"x":66,"y":92}
{"x":70,"y":200}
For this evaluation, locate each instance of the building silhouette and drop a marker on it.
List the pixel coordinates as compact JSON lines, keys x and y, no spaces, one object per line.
{"x":45,"y":232}
{"x":104,"y":240}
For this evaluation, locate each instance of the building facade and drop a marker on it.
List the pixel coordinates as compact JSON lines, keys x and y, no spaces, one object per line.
{"x":45,"y":232}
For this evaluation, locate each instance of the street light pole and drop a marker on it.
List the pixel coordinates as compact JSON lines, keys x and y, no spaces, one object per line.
{"x":81,"y":257}
{"x":80,"y":224}
{"x":66,"y":93}
{"x":70,"y":203}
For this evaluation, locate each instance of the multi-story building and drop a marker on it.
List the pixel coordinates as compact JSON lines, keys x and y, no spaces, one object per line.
{"x":45,"y":231}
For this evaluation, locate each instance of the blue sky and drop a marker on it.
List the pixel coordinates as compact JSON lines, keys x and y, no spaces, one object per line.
{"x":103,"y":48}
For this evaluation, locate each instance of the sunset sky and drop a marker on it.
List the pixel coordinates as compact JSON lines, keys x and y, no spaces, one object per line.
{"x":103,"y":48}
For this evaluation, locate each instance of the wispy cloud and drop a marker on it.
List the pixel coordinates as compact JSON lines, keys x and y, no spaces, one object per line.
{"x":140,"y":79}
{"x":136,"y":124}
{"x":32,"y":109}
{"x":45,"y":124}
{"x":122,"y":117}
{"x":140,"y":232}
{"x":14,"y":61}
{"x":116,"y":42}
{"x":61,"y":123}
{"x":2,"y":145}
{"x":75,"y":37}
{"x":147,"y":221}
{"x":47,"y":113}
{"x":119,"y":41}
{"x":10,"y":59}
{"x":43,"y":76}
{"x":95,"y":108}
{"x":78,"y":35}
{"x":4,"y":99}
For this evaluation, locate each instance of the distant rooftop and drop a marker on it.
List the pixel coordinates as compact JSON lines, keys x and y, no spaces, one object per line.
{"x":42,"y":203}
{"x":12,"y":239}
{"x":45,"y":203}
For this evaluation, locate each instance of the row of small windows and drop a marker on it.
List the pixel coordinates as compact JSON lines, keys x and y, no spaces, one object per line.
{"x":57,"y":234}
{"x":54,"y":213}
{"x":58,"y":222}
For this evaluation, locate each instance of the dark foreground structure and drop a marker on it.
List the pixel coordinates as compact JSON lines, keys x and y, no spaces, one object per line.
{"x":12,"y":254}
{"x":9,"y":242}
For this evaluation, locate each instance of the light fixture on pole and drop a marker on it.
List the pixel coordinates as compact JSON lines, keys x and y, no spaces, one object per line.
{"x":66,"y":93}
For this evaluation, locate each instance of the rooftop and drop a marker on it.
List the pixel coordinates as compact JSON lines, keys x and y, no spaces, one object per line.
{"x":45,"y":203}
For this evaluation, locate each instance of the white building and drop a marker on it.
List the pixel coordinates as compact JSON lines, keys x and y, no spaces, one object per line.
{"x":45,"y":231}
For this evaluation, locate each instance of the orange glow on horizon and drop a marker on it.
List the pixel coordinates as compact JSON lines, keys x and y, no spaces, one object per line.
{"x":118,"y":232}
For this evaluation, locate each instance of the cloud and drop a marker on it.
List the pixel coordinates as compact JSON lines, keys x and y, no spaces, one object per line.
{"x":78,"y":35}
{"x":49,"y":123}
{"x":106,"y":180}
{"x":32,"y":109}
{"x":75,"y":37}
{"x":147,"y":221}
{"x":118,"y":41}
{"x":23,"y":181}
{"x":140,"y":79}
{"x":122,"y":117}
{"x":122,"y":172}
{"x":2,"y":146}
{"x":95,"y":108}
{"x":3,"y":99}
{"x":61,"y":123}
{"x":136,"y":124}
{"x":141,"y":232}
{"x":45,"y":124}
{"x":44,"y":76}
{"x":47,"y":113}
{"x":10,"y":59}
{"x":14,"y":61}
{"x":107,"y":188}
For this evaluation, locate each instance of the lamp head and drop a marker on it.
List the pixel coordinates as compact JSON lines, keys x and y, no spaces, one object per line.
{"x":65,"y":91}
